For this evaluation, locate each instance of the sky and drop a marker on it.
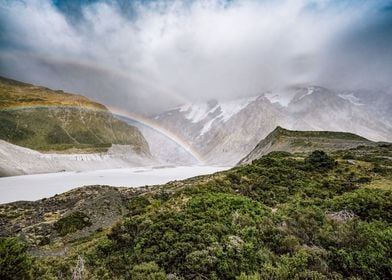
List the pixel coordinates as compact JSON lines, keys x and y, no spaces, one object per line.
{"x":148,"y":56}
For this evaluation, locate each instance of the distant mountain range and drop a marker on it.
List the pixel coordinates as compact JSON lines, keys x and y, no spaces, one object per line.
{"x":224,"y":132}
{"x":218,"y":133}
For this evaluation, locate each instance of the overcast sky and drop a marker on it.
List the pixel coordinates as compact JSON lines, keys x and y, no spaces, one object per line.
{"x":147,"y":56}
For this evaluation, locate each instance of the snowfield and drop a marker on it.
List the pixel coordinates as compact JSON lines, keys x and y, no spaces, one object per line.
{"x":38,"y":186}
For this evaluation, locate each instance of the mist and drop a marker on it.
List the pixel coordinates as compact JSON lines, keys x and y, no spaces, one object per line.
{"x":148,"y":56}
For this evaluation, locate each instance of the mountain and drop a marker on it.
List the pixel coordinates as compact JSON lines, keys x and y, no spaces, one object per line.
{"x":305,"y":142}
{"x":46,"y":120}
{"x":224,"y":132}
{"x":42,"y":130}
{"x":283,"y":216}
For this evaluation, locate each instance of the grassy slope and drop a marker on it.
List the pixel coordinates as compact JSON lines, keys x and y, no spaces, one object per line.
{"x":277,"y":218}
{"x":304,"y":142}
{"x":18,"y":94}
{"x":47,"y":120}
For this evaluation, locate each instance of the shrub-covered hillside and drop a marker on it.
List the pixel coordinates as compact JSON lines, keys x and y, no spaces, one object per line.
{"x":282,"y":217}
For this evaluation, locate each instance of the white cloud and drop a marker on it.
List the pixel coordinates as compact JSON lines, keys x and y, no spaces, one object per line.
{"x":175,"y":51}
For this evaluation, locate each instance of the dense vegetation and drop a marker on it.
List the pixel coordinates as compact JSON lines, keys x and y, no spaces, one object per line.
{"x":281,"y":217}
{"x":15,"y":262}
{"x":71,"y":223}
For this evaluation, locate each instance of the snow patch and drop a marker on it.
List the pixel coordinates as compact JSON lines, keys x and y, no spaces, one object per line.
{"x":184,"y":108}
{"x":200,"y":111}
{"x":282,"y":99}
{"x":197,"y":113}
{"x":207,"y":127}
{"x":351,"y":98}
{"x":233,"y":107}
{"x":227,"y":110}
{"x":309,"y":92}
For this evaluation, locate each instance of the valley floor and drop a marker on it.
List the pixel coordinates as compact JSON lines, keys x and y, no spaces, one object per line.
{"x":38,"y":186}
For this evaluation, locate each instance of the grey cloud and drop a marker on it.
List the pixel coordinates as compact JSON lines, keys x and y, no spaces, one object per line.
{"x":172,"y":52}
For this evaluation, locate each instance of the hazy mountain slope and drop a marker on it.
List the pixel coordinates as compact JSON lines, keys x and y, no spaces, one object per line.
{"x":162,"y":148}
{"x":304,"y":142}
{"x":46,"y":120}
{"x":224,"y":132}
{"x":318,"y":108}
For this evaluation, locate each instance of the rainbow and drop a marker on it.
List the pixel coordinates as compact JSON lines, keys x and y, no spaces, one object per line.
{"x":129,"y":115}
{"x":110,"y":71}
{"x":160,"y":129}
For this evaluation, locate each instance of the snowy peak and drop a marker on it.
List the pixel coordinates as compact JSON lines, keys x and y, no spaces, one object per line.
{"x":199,"y":111}
{"x":278,"y":98}
{"x":214,"y":110}
{"x":287,"y":96}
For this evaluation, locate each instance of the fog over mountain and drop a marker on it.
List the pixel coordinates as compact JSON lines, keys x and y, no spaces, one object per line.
{"x":148,"y":56}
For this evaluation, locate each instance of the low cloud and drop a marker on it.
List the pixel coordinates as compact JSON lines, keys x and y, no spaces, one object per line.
{"x":149,"y":56}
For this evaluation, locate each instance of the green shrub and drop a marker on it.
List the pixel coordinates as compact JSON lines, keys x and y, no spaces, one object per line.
{"x":137,"y":205}
{"x":319,"y":160}
{"x":148,"y":271}
{"x":72,"y":223}
{"x":368,"y":204}
{"x":15,"y":262}
{"x":365,"y":252}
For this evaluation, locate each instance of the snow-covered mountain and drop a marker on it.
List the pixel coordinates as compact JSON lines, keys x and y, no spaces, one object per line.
{"x":224,"y":132}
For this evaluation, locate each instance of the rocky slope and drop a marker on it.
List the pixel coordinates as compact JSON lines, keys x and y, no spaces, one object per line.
{"x":304,"y":142}
{"x":47,"y":120}
{"x":224,"y":132}
{"x":102,"y":207}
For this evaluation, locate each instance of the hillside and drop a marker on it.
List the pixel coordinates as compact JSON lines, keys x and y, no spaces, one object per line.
{"x":46,"y":120}
{"x":15,"y":94}
{"x":292,"y":141}
{"x":283,"y":216}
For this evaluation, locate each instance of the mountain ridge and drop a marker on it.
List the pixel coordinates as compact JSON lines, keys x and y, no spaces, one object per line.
{"x":295,"y":141}
{"x":224,"y":140}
